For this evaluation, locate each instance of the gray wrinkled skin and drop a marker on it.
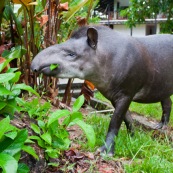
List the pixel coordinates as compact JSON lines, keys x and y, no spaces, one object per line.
{"x":122,"y":68}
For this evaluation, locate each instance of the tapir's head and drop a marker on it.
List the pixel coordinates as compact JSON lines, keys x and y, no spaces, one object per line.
{"x":71,"y":59}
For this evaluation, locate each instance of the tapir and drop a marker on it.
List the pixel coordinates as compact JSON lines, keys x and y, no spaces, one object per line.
{"x":122,"y":68}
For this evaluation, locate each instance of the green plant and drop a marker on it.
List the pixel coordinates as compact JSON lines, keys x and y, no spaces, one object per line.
{"x":12,"y":142}
{"x":34,"y":108}
{"x":100,"y":124}
{"x":52,"y":135}
{"x":9,"y":89}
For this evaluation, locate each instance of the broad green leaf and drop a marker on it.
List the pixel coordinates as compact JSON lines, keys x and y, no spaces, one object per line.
{"x":42,"y":125}
{"x":61,"y":142}
{"x":88,"y":130}
{"x":8,"y":163}
{"x":15,"y":52}
{"x":39,"y":140}
{"x":4,"y":64}
{"x":53,"y":66}
{"x":4,"y":126}
{"x":17,"y":156}
{"x":78,"y":103}
{"x":20,"y":101}
{"x":53,"y":153}
{"x":5,"y":77}
{"x":76,"y":115}
{"x":11,"y":135}
{"x":35,"y":128}
{"x":16,"y":92}
{"x":14,"y":146}
{"x":25,"y":87}
{"x":47,"y":138}
{"x":16,"y":77}
{"x":22,"y":168}
{"x":5,"y":53}
{"x":56,"y":115}
{"x":12,"y":70}
{"x":4,"y":91}
{"x":28,"y":141}
{"x":2,"y":104}
{"x":31,"y":151}
{"x":34,"y":137}
{"x":73,"y":116}
{"x":11,"y":107}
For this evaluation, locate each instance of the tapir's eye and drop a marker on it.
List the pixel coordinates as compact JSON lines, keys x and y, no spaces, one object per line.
{"x":71,"y":54}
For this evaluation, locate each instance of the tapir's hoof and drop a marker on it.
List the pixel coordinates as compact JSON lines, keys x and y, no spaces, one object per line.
{"x":104,"y":151}
{"x":158,"y":126}
{"x":161,"y":126}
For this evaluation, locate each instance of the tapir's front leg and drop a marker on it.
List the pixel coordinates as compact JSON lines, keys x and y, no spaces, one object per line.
{"x":121,"y":107}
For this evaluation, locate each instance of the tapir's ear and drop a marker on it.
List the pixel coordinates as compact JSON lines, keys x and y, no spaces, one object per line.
{"x":92,"y":37}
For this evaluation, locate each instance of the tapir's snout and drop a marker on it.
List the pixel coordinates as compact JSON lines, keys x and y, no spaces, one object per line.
{"x":39,"y":62}
{"x":34,"y":66}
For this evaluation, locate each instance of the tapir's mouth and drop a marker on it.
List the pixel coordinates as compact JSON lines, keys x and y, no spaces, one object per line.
{"x":47,"y":71}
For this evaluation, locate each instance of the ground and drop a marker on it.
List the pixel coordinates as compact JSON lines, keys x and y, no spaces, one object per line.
{"x":75,"y":160}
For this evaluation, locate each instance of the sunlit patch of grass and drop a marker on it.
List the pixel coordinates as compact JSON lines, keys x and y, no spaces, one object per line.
{"x":149,"y":110}
{"x":153,"y":164}
{"x":143,"y":152}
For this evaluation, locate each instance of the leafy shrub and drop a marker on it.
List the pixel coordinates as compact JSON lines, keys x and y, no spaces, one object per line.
{"x":9,"y":89}
{"x":53,"y":135}
{"x":12,"y":142}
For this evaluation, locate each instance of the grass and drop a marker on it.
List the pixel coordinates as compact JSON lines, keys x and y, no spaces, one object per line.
{"x":143,"y":153}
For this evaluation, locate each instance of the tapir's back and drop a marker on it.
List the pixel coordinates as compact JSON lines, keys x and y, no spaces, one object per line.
{"x":160,"y":51}
{"x":160,"y":45}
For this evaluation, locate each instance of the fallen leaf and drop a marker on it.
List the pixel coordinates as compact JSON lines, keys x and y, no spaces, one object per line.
{"x":74,"y":155}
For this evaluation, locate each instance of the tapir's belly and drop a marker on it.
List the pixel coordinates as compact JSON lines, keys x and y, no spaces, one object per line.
{"x":156,"y":92}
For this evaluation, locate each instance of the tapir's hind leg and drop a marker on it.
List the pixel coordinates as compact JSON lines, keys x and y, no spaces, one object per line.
{"x":166,"y":111}
{"x":129,"y":122}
